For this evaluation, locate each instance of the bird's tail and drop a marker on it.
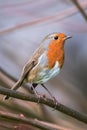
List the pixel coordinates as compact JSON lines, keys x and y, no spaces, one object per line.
{"x":15,"y":87}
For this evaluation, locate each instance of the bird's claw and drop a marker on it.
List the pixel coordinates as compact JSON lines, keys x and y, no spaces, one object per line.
{"x":36,"y":94}
{"x":38,"y":97}
{"x":55,"y":103}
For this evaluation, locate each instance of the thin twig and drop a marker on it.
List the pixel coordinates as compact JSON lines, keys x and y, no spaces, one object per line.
{"x":34,"y":122}
{"x":80,"y":9}
{"x":46,"y":101}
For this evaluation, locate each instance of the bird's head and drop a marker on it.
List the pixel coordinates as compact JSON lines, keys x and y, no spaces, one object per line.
{"x":54,"y":44}
{"x":57,"y":39}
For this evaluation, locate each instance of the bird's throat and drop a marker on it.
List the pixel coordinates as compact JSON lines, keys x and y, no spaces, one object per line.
{"x":55,"y":53}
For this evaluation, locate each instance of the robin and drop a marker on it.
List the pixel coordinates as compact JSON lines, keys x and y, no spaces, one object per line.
{"x":45,"y":63}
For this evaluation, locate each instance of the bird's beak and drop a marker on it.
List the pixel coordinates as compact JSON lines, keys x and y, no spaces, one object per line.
{"x":67,"y":37}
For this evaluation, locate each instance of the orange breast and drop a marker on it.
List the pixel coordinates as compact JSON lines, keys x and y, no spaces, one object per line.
{"x":55,"y":53}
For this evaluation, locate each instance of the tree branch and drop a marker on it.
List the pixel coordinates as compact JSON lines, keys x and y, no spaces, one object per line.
{"x":34,"y":122}
{"x":46,"y":101}
{"x":80,"y":9}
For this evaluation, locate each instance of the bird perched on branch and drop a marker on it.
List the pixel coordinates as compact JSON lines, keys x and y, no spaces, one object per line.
{"x":45,"y":63}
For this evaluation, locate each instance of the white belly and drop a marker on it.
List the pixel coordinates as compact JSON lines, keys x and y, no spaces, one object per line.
{"x":47,"y":74}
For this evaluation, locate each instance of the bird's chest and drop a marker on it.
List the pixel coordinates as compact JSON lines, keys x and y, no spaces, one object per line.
{"x":55,"y":53}
{"x":46,"y":74}
{"x":41,"y":75}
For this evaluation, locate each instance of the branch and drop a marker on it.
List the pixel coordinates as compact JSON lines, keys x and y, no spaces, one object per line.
{"x":6,"y":126}
{"x":80,"y":9}
{"x":34,"y":122}
{"x":46,"y":101}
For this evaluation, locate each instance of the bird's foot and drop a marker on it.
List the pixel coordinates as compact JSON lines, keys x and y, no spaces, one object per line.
{"x":38,"y":96}
{"x":55,"y":102}
{"x":53,"y":98}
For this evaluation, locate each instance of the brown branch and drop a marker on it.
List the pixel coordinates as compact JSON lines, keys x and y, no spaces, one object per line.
{"x":46,"y":101}
{"x":7,"y":127}
{"x":79,"y":7}
{"x":34,"y":122}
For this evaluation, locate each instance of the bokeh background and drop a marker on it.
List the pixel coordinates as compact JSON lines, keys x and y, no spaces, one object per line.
{"x":23,"y":24}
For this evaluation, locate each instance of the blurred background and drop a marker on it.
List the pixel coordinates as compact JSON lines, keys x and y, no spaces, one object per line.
{"x":23,"y":24}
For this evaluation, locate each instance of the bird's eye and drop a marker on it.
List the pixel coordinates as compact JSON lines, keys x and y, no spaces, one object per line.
{"x":56,"y":37}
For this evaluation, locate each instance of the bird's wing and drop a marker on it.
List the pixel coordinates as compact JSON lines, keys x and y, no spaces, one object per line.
{"x":27,"y":68}
{"x":31,"y":63}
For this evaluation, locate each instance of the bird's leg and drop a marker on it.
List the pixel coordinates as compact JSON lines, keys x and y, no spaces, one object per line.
{"x":34,"y":86}
{"x":54,"y":99}
{"x":35,"y":92}
{"x":48,"y":91}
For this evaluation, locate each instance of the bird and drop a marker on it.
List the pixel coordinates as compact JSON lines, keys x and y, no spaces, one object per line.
{"x":44,"y":64}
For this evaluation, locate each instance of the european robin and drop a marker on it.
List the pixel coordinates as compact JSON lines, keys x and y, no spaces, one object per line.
{"x":45,"y":63}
